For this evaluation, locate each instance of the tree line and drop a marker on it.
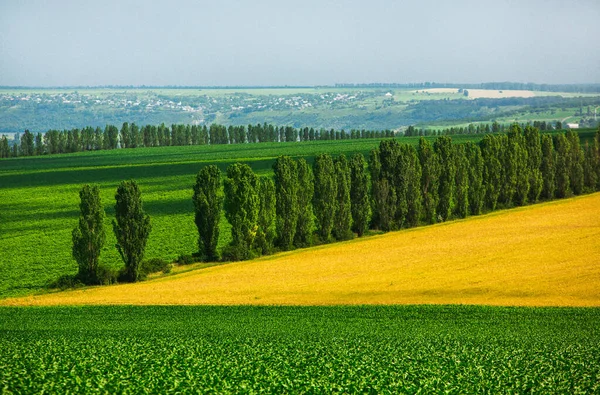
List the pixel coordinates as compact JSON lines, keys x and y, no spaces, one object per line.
{"x":134,"y":136}
{"x":337,"y":198}
{"x":479,"y":128}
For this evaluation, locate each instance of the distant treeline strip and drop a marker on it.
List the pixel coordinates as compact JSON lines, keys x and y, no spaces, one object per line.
{"x":133,"y":136}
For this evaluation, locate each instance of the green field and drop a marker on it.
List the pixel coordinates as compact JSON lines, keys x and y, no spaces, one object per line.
{"x":424,"y":349}
{"x":39,"y":201}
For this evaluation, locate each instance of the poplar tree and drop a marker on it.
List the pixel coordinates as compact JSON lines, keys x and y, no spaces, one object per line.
{"x":508,"y":184}
{"x":589,"y":168}
{"x":125,"y":136}
{"x":375,"y":171}
{"x":265,"y":234}
{"x":286,"y":198}
{"x":241,"y":209}
{"x":111,"y":137}
{"x":534,"y":162}
{"x":475,"y":174}
{"x":383,"y":194}
{"x":306,"y":189}
{"x":518,"y":152}
{"x":4,"y":148}
{"x":389,"y":155}
{"x":563,"y":165}
{"x":446,"y":187}
{"x":208,"y":202}
{"x":461,"y":208}
{"x":131,"y":228}
{"x":548,"y":167}
{"x":89,"y":236}
{"x":596,"y":155}
{"x":27,"y":145}
{"x":429,"y":179}
{"x":576,"y":160}
{"x":412,"y":179}
{"x":401,"y":176}
{"x":359,"y":195}
{"x":325,"y":197}
{"x":492,"y":169}
{"x":342,"y":224}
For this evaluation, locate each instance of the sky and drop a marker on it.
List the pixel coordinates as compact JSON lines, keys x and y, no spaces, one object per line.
{"x":308,"y":42}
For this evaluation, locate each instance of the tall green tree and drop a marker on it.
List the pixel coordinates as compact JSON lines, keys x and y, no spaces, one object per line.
{"x":475,"y":175}
{"x":492,"y":169}
{"x":39,"y":145}
{"x":508,"y":183}
{"x":89,"y":235}
{"x":4,"y":148}
{"x":389,"y":155}
{"x":517,"y":151}
{"x":241,"y":209}
{"x":383,"y":194}
{"x":461,"y":209}
{"x":265,"y":234}
{"x":125,"y":136}
{"x":306,"y":190}
{"x":533,"y":143}
{"x":563,"y":165}
{"x":576,"y":162}
{"x":325,"y":197}
{"x":548,"y":167}
{"x":596,"y":154}
{"x":27,"y":144}
{"x":111,"y":137}
{"x":446,"y":187}
{"x":411,"y":175}
{"x":342,"y":223}
{"x":208,"y":203}
{"x":430,"y":170}
{"x":375,"y":172}
{"x":359,"y":194}
{"x":589,"y":168}
{"x":286,"y":197}
{"x":131,"y":228}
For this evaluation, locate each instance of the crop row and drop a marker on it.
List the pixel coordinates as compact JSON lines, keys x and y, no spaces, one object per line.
{"x":314,"y":350}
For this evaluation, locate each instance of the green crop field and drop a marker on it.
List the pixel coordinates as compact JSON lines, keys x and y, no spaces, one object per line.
{"x":428,"y":349}
{"x":39,"y":201}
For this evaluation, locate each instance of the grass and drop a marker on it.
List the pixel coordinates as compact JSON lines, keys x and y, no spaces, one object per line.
{"x":377,"y":349}
{"x":541,"y":255}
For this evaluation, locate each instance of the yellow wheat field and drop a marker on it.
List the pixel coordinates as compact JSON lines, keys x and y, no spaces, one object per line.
{"x":542,"y":255}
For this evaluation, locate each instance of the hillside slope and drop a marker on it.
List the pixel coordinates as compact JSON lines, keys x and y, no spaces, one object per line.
{"x":541,"y":255}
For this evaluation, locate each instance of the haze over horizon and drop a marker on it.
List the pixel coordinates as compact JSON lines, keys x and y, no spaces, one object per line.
{"x":268,"y":43}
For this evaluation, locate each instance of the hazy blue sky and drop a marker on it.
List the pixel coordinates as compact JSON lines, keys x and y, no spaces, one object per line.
{"x":308,"y":42}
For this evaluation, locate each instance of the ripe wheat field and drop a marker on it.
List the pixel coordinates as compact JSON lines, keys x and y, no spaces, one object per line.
{"x":541,"y":255}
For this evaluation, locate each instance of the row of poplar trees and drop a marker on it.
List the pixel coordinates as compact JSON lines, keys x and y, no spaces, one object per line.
{"x":131,"y":227}
{"x":134,"y":136}
{"x":401,"y":187}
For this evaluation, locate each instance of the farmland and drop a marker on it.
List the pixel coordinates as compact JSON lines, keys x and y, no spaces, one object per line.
{"x":541,"y":255}
{"x":384,"y":349}
{"x":39,"y":200}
